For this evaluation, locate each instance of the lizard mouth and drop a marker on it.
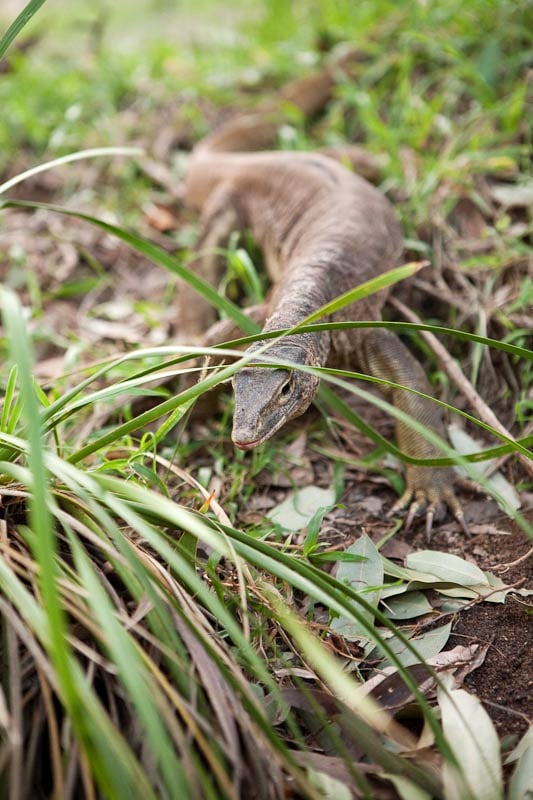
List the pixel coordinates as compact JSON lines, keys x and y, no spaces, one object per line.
{"x":249,"y":445}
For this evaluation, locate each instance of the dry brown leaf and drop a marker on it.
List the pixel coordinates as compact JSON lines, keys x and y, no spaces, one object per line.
{"x":160,"y":217}
{"x":468,"y":219}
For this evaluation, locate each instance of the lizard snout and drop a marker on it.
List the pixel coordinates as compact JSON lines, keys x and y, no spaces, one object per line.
{"x":265,"y":399}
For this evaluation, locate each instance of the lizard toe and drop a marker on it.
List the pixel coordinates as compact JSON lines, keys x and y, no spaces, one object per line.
{"x":401,"y":503}
{"x":416,"y":508}
{"x":456,"y":508}
{"x":429,"y":491}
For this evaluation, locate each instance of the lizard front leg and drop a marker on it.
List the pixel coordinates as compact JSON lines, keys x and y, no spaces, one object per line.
{"x":387,"y":358}
{"x":220,"y":217}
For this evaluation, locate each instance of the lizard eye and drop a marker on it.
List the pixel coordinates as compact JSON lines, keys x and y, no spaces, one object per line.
{"x":285,"y":390}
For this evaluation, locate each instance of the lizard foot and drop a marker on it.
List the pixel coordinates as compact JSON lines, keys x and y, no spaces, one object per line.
{"x":429,"y":490}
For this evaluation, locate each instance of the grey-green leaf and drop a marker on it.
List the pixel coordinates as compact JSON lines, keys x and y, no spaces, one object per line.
{"x":365,"y":577}
{"x":473,"y":739}
{"x":446,"y":567}
{"x":300,"y":506}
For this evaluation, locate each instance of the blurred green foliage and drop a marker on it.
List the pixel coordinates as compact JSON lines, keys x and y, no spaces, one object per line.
{"x":436,"y":71}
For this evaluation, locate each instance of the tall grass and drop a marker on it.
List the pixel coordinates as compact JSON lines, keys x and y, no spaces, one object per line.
{"x":150,"y":647}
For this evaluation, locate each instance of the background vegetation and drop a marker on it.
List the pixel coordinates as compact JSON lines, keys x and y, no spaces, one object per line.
{"x":180,"y":620}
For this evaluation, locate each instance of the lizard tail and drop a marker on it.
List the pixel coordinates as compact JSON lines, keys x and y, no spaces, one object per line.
{"x":258,"y":130}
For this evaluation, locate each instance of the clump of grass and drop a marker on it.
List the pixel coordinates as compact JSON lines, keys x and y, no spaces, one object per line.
{"x":150,"y":645}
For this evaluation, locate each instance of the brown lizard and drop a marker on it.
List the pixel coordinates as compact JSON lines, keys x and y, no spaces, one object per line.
{"x":323,"y":230}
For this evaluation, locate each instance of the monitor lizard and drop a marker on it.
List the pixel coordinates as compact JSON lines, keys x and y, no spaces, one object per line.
{"x":323,"y":229}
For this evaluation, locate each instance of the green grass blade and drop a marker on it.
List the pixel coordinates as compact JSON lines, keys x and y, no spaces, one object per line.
{"x":134,"y":675}
{"x":518,"y":445}
{"x":44,"y":541}
{"x":321,"y":586}
{"x":18,"y":24}
{"x":167,"y":406}
{"x":399,"y":327}
{"x":365,"y":289}
{"x":88,"y":721}
{"x":11,"y":408}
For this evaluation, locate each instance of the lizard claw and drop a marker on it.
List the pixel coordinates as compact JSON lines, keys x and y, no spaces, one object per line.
{"x":401,"y":503}
{"x":430,"y":491}
{"x":455,"y":507}
{"x":430,"y":514}
{"x":415,"y":508}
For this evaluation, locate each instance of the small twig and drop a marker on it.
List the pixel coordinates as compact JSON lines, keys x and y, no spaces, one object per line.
{"x":455,"y":373}
{"x":506,"y":710}
{"x":442,"y":292}
{"x":506,"y":567}
{"x":475,"y":601}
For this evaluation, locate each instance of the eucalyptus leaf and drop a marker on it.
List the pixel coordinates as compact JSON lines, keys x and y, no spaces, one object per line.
{"x":446,"y":567}
{"x":407,"y":789}
{"x":365,"y":577}
{"x":505,"y":495}
{"x":407,"y":606}
{"x":428,"y":645}
{"x":329,"y":788}
{"x":474,"y":742}
{"x":297,"y":510}
{"x":521,"y":784}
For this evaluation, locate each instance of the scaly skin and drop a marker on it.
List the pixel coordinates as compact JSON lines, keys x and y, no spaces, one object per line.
{"x":323,"y":230}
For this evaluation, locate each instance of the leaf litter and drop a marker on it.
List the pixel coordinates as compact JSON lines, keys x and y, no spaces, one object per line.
{"x":77,"y":264}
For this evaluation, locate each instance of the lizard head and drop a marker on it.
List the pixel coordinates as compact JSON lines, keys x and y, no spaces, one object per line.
{"x":267,"y":398}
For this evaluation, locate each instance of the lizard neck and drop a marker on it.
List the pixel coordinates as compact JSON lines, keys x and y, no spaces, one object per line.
{"x":304,"y":290}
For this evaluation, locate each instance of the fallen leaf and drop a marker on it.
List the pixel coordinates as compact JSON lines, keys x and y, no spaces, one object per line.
{"x":160,"y":217}
{"x":300,"y":506}
{"x":428,"y":645}
{"x":328,"y":787}
{"x":468,"y":219}
{"x":407,"y":790}
{"x":366,"y":578}
{"x":513,"y":195}
{"x":521,"y":784}
{"x":505,"y":495}
{"x":475,"y":745}
{"x":333,"y":767}
{"x":115,"y":310}
{"x":388,"y":687}
{"x":407,"y":606}
{"x":525,"y":743}
{"x":446,"y":567}
{"x":297,"y":447}
{"x":392,"y":692}
{"x":117,"y":331}
{"x":458,"y":657}
{"x":371,"y":505}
